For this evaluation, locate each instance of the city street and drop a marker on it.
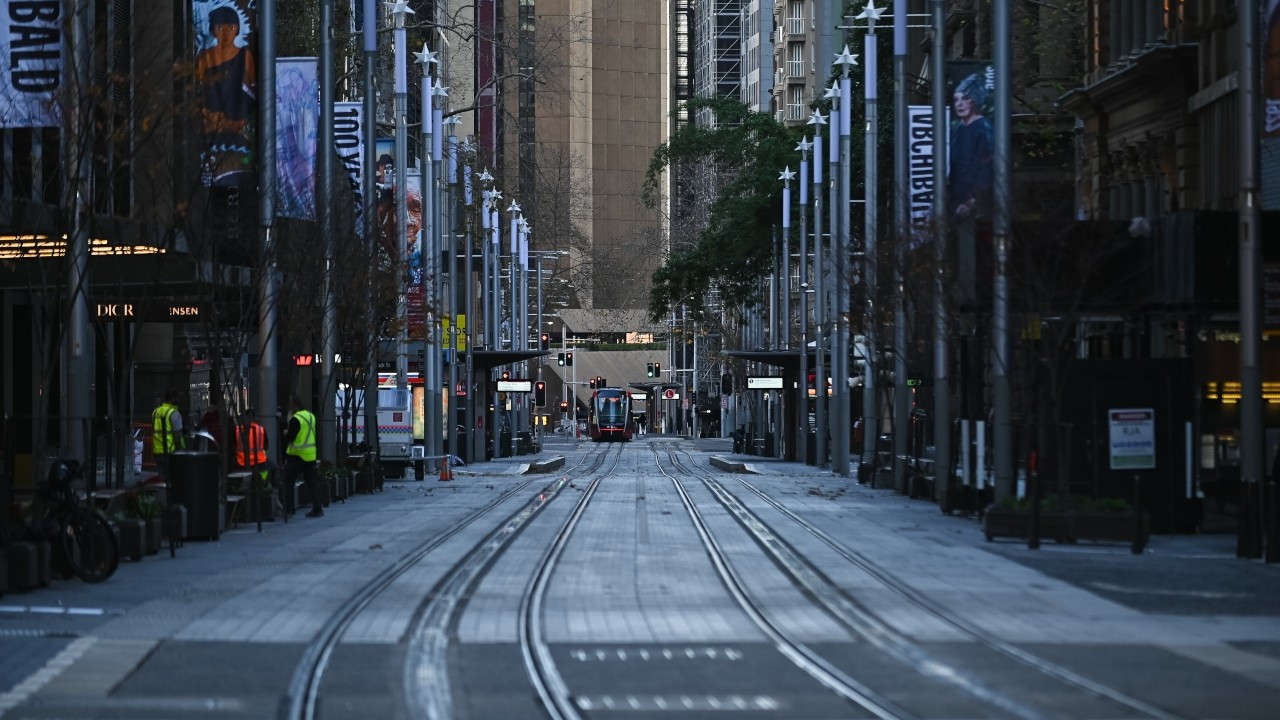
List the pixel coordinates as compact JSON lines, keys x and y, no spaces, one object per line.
{"x":639,"y":581}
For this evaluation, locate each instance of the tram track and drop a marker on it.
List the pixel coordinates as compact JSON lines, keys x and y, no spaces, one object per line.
{"x":796,"y":651}
{"x":548,"y":682}
{"x":303,"y":693}
{"x":866,"y":624}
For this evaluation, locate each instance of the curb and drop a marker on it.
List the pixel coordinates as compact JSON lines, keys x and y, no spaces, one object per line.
{"x":544,"y":466}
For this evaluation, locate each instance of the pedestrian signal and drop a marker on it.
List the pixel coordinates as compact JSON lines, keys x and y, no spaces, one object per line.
{"x":540,"y":394}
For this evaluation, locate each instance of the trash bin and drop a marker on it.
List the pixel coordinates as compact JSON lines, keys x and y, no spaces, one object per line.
{"x":197,"y":486}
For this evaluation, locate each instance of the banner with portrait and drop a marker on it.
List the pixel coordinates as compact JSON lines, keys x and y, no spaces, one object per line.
{"x":348,"y":144}
{"x":31,"y":61}
{"x":297,"y":120}
{"x":227,"y":78}
{"x":413,"y":240}
{"x":970,"y":166}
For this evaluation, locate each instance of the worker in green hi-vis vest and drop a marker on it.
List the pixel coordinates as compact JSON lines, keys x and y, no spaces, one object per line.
{"x":300,"y":454}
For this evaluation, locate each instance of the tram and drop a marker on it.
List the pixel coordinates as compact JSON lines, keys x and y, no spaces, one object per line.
{"x":609,"y":417}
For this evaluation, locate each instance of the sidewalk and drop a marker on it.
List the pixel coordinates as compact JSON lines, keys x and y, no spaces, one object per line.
{"x":1192,"y":575}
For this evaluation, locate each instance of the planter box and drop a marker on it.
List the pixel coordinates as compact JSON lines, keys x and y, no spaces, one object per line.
{"x":29,"y":565}
{"x":1108,"y":527}
{"x":257,"y":506}
{"x":154,"y":532}
{"x":1007,"y":522}
{"x":133,"y":540}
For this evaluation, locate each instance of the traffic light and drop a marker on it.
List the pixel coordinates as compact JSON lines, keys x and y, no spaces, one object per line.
{"x":568,"y":358}
{"x":544,"y":342}
{"x":600,"y":382}
{"x":506,"y":374}
{"x":564,"y":406}
{"x":726,"y":383}
{"x":540,"y":394}
{"x":657,"y":369}
{"x":560,"y":359}
{"x":649,"y":370}
{"x":592,"y":383}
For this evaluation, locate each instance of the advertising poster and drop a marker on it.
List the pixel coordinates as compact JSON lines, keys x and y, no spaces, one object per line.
{"x":297,"y":119}
{"x":31,"y":58}
{"x":228,"y":90}
{"x":384,"y":183}
{"x":348,"y":144}
{"x":1270,"y":143}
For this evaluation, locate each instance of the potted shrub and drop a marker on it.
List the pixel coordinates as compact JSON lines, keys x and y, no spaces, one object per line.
{"x":145,"y":506}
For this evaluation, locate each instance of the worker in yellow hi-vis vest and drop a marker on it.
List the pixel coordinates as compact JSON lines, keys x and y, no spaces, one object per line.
{"x":166,"y":432}
{"x":300,"y":454}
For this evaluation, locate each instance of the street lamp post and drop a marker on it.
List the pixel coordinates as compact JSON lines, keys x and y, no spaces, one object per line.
{"x":843,"y":241}
{"x":802,"y":406}
{"x":820,"y":298}
{"x":786,"y":177}
{"x":401,"y":151}
{"x":870,"y":408}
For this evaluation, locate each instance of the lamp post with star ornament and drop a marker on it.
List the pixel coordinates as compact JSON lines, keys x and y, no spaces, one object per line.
{"x":870,"y":407}
{"x":843,"y":242}
{"x":819,"y":300}
{"x":802,"y":406}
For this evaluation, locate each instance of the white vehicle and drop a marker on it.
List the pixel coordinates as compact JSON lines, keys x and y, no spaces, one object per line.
{"x":395,"y":425}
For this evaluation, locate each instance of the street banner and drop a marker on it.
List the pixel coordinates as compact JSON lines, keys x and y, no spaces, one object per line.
{"x":920,"y":140}
{"x":228,"y":90}
{"x":297,"y":120}
{"x":415,"y":292}
{"x":31,"y":62}
{"x":1270,"y":143}
{"x":384,"y":187}
{"x":348,"y":143}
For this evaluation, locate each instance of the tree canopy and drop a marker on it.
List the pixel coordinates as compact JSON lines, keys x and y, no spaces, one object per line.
{"x":747,"y":150}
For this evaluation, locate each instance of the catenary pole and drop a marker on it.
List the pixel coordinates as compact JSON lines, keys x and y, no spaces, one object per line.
{"x":1252,"y":442}
{"x":328,"y":445}
{"x":370,"y":219}
{"x":268,"y":392}
{"x":902,"y":232}
{"x":941,"y":363}
{"x":401,"y":151}
{"x":1003,"y":411}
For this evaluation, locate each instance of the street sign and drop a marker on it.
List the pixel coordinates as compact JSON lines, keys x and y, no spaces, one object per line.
{"x":1132,"y":434}
{"x":515,"y":386}
{"x":764,"y":383}
{"x":670,"y":394}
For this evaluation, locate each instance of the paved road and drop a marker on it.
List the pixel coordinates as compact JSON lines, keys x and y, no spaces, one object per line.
{"x":676,"y":591}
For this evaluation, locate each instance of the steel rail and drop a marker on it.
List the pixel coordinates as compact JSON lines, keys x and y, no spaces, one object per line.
{"x":304,"y":685}
{"x":552,"y":690}
{"x":426,"y":671}
{"x":886,"y":578}
{"x":794,"y":650}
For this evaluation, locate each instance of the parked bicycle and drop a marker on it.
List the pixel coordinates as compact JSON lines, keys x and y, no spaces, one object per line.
{"x":82,"y":535}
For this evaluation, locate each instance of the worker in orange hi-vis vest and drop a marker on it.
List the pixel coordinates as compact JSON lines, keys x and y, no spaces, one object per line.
{"x":251,"y":445}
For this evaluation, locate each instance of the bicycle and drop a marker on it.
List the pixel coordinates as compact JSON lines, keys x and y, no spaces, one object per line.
{"x":82,"y":534}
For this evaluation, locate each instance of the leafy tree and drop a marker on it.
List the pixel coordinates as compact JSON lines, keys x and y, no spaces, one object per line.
{"x":733,"y":251}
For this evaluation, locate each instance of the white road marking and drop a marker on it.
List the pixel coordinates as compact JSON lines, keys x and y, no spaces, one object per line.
{"x":63,"y":660}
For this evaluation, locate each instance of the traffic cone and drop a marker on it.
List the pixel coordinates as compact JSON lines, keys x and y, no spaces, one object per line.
{"x":445,"y":473}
